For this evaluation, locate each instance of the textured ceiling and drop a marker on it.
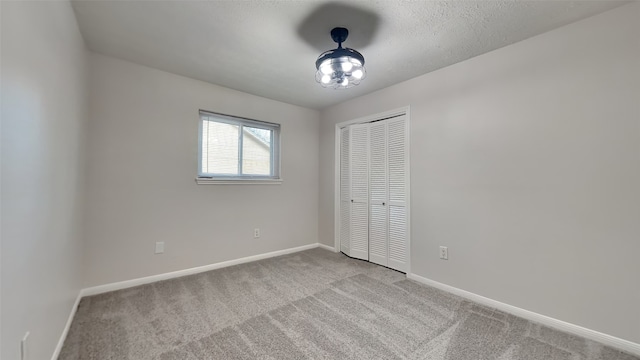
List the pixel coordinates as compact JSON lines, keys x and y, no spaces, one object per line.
{"x":269,"y":48}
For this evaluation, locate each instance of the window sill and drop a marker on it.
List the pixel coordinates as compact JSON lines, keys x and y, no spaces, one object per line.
{"x":211,"y":181}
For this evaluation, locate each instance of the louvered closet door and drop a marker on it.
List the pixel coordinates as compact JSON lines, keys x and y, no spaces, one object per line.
{"x":398,"y":212}
{"x":378,"y":194}
{"x":345,"y":193}
{"x":359,"y":191}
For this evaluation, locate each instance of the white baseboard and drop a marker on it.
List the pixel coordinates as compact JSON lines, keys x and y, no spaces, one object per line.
{"x":609,"y":340}
{"x":67,"y":326}
{"x":95,"y":290}
{"x":327,"y":247}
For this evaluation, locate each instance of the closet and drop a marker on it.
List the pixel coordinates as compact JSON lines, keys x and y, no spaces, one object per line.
{"x":374,"y":192}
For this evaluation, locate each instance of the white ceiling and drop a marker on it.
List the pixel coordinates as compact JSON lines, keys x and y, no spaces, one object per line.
{"x":269,"y":48}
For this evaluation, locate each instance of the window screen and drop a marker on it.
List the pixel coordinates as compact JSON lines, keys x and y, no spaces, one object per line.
{"x":233,"y":147}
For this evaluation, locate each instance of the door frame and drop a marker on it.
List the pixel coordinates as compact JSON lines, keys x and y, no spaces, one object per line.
{"x":336,"y":162}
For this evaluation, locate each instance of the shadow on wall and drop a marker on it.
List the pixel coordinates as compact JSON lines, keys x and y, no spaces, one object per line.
{"x":315,"y":28}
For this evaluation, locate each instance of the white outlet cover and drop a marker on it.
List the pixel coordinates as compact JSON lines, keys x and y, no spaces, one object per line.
{"x":444,"y":253}
{"x":160,"y":247}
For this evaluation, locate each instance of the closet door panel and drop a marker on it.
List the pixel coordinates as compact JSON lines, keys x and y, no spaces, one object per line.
{"x":345,"y":229}
{"x":345,"y":193}
{"x":378,"y":184}
{"x":398,"y":238}
{"x":378,"y":162}
{"x":359,"y":231}
{"x":378,"y":239}
{"x":359,"y":189}
{"x":398,"y":211}
{"x":397,"y":160}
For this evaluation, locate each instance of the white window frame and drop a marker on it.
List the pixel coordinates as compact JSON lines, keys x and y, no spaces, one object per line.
{"x":212,"y":178}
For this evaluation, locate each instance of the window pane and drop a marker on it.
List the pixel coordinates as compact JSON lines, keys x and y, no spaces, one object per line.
{"x":233,"y":147}
{"x":219,"y":148}
{"x":256,"y":151}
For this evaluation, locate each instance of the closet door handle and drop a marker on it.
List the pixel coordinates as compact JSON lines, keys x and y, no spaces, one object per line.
{"x":382,"y":204}
{"x":351,"y":200}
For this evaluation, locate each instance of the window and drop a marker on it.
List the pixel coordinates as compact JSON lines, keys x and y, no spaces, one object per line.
{"x":233,"y":148}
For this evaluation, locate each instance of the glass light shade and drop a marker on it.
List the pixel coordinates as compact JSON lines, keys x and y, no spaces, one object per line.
{"x":340,"y":73}
{"x":326,"y":68}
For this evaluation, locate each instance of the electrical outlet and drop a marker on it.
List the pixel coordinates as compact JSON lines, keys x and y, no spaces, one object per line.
{"x":23,"y":347}
{"x":256,"y":233}
{"x":444,"y":253}
{"x":160,"y":247}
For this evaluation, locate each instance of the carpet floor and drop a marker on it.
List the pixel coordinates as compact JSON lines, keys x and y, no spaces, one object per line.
{"x":313,"y":304}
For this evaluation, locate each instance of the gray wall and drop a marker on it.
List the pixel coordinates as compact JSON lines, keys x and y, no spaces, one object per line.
{"x":43,"y":120}
{"x":142,"y":164}
{"x":525,"y":162}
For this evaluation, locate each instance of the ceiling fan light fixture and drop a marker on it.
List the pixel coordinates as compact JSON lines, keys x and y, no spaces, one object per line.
{"x":340,"y":68}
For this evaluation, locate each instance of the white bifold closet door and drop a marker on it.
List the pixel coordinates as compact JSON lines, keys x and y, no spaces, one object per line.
{"x":345,"y":193}
{"x":373,"y":192}
{"x":397,"y":165}
{"x":378,"y":195}
{"x":359,"y":178}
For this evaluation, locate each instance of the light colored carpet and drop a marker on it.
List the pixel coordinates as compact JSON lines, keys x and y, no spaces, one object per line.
{"x":309,"y":305}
